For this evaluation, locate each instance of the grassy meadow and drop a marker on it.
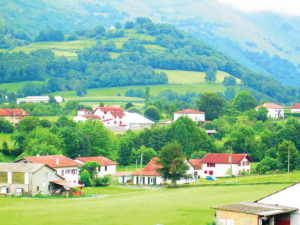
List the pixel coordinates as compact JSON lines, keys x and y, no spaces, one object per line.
{"x":165,"y":206}
{"x":6,"y":137}
{"x":13,"y":87}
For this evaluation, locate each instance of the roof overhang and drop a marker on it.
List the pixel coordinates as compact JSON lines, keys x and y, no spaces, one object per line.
{"x":65,"y":183}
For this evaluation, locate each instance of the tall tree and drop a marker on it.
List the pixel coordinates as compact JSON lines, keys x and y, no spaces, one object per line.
{"x":210,"y":75}
{"x":244,"y":101}
{"x":147,"y":96}
{"x":287,"y":150}
{"x":152,"y":112}
{"x":211,"y":104}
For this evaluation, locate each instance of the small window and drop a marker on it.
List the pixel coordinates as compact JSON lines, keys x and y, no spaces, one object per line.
{"x":105,"y":112}
{"x":121,"y":117}
{"x":49,"y":187}
{"x":37,"y":188}
{"x":62,"y":172}
{"x":46,"y":175}
{"x":115,"y":122}
{"x":105,"y":168}
{"x":211,"y":172}
{"x":120,"y":122}
{"x":99,"y":168}
{"x":107,"y":123}
{"x":205,"y":171}
{"x":103,"y":117}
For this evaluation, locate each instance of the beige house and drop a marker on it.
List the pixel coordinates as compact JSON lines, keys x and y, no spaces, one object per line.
{"x":13,"y":115}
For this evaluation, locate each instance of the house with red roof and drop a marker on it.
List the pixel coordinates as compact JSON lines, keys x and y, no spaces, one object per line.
{"x":111,"y":115}
{"x":219,"y":164}
{"x":13,"y":115}
{"x":197,"y":164}
{"x":151,"y":177}
{"x":274,"y":110}
{"x":193,"y":114}
{"x":84,"y":118}
{"x":295,"y":108}
{"x":107,"y":166}
{"x":84,"y":112}
{"x":65,"y":167}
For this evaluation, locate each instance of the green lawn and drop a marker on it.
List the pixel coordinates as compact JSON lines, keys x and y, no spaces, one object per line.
{"x":6,"y":137}
{"x":13,"y":87}
{"x":110,"y":190}
{"x":130,"y":168}
{"x":167,"y":206}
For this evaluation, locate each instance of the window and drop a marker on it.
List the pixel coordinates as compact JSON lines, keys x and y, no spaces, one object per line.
{"x":115,"y":117}
{"x":105,"y":168}
{"x":120,"y":117}
{"x":240,"y":164}
{"x":211,"y":172}
{"x":3,"y":177}
{"x":103,"y":117}
{"x":120,"y":122}
{"x":105,"y":112}
{"x":46,"y":175}
{"x":76,"y":171}
{"x":49,"y":187}
{"x":62,"y":172}
{"x":107,"y":123}
{"x":37,"y":188}
{"x":18,"y":178}
{"x":205,"y":171}
{"x":115,"y":122}
{"x":99,"y":168}
{"x":211,"y":164}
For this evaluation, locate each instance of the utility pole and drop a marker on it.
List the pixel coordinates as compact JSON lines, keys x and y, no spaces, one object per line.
{"x":126,"y":176}
{"x":141,"y":168}
{"x":231,"y":159}
{"x":135,"y":164}
{"x":289,"y":163}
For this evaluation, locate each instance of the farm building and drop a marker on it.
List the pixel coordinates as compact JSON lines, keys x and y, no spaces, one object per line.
{"x":295,"y":108}
{"x":107,"y":166}
{"x":279,"y":208}
{"x":84,"y":118}
{"x":13,"y":115}
{"x":193,"y":114}
{"x":219,"y":165}
{"x":151,"y":177}
{"x":135,"y":121}
{"x":274,"y":110}
{"x":111,"y":115}
{"x":30,"y":178}
{"x":37,"y":99}
{"x":84,"y":112}
{"x":65,"y":167}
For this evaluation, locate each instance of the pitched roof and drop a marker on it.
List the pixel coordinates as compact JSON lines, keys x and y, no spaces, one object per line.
{"x":92,"y":116}
{"x":51,"y":160}
{"x":150,"y":169}
{"x":270,"y":106}
{"x":13,"y":112}
{"x":84,"y":110}
{"x":20,"y":167}
{"x":189,"y":111}
{"x":220,"y":158}
{"x":196,"y":163}
{"x":256,"y":208}
{"x":99,"y":159}
{"x":297,"y":106}
{"x":114,"y":111}
{"x":121,"y":174}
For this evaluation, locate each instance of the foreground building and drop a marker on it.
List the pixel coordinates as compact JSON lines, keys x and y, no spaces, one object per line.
{"x":279,"y":208}
{"x":65,"y":167}
{"x":191,"y":113}
{"x":219,"y":165}
{"x":274,"y":110}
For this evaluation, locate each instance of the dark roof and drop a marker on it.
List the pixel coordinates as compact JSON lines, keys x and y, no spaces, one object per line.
{"x":13,"y":112}
{"x":255,"y":208}
{"x":189,"y":111}
{"x":220,"y":158}
{"x":196,"y":163}
{"x":99,"y":159}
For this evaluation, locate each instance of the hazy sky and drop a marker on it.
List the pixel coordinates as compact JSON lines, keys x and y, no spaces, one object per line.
{"x":287,"y":7}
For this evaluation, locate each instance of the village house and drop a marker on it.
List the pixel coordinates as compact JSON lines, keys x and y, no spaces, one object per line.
{"x":274,"y":110}
{"x":13,"y":115}
{"x":30,"y":178}
{"x":123,"y":177}
{"x":279,"y":208}
{"x":219,"y":165}
{"x":107,"y":166}
{"x":295,"y":108}
{"x":191,"y":113}
{"x":151,"y":177}
{"x":84,"y":112}
{"x":84,"y":118}
{"x":38,"y":99}
{"x":196,"y":163}
{"x":65,"y":167}
{"x":111,"y":115}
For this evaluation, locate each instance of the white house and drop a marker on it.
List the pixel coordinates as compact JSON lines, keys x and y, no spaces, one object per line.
{"x":84,"y":112}
{"x":274,"y":110}
{"x":111,"y":115}
{"x":135,"y":121}
{"x":37,"y":99}
{"x":219,"y":165}
{"x":193,"y":114}
{"x":84,"y":118}
{"x":196,"y":163}
{"x":107,"y":166}
{"x":65,"y":167}
{"x":281,"y":207}
{"x":151,"y":177}
{"x":123,"y":177}
{"x":295,"y":108}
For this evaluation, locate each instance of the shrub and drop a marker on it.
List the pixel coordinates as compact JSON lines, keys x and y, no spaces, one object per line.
{"x":75,"y":189}
{"x":103,"y":181}
{"x":86,"y":179}
{"x":245,"y":173}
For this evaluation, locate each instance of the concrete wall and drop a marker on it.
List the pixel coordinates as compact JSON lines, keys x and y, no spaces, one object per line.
{"x":79,"y":119}
{"x":139,"y":126}
{"x":68,"y":176}
{"x":110,"y":169}
{"x":227,"y":217}
{"x":194,"y":117}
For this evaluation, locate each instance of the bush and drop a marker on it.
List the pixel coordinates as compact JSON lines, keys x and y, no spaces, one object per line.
{"x":75,"y":189}
{"x":103,"y":181}
{"x":86,"y":179}
{"x":245,"y":173}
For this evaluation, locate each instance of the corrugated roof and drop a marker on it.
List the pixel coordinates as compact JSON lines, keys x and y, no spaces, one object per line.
{"x":220,"y":158}
{"x":256,"y":208}
{"x":196,"y":163}
{"x":189,"y":111}
{"x":51,"y":160}
{"x":270,"y":106}
{"x":297,"y":106}
{"x":150,"y":169}
{"x":99,"y":159}
{"x":13,"y":112}
{"x":20,"y":167}
{"x":66,"y":183}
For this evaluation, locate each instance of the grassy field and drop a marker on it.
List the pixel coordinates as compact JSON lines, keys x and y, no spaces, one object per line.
{"x":130,"y":168}
{"x":169,"y":207}
{"x":6,"y":137}
{"x":110,"y":190}
{"x":13,"y":87}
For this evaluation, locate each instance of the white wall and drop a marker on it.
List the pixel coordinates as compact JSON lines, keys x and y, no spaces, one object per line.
{"x":159,"y":180}
{"x":275,"y":113}
{"x":194,"y":117}
{"x":110,"y":169}
{"x":79,"y":119}
{"x":117,"y":120}
{"x":295,"y":110}
{"x":69,"y":177}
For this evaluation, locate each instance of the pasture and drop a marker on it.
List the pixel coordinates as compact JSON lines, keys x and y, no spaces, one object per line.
{"x":13,"y":87}
{"x":6,"y":137}
{"x":165,"y":206}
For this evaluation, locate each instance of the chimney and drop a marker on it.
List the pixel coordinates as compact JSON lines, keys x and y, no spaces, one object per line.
{"x":57,"y":161}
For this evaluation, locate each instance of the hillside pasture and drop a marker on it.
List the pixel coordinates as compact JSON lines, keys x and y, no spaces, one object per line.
{"x":13,"y":87}
{"x":166,"y":206}
{"x":6,"y":137}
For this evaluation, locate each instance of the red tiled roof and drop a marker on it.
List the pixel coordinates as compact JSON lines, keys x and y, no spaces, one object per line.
{"x":99,"y":159}
{"x":270,"y":106}
{"x":297,"y":106}
{"x":224,"y":158}
{"x":85,"y":110}
{"x":196,"y":163}
{"x":150,"y":169}
{"x":92,"y":116}
{"x":50,"y":160}
{"x":121,"y":174}
{"x":107,"y":120}
{"x":190,"y":111}
{"x":114,"y":111}
{"x":13,"y":112}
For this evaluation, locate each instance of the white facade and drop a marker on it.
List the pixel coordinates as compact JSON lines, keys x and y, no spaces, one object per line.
{"x":104,"y":170}
{"x":220,"y":170}
{"x":69,"y":173}
{"x":80,"y":119}
{"x":288,"y":197}
{"x":84,"y":112}
{"x":194,"y":117}
{"x":37,"y":99}
{"x":295,"y":110}
{"x":106,"y":115}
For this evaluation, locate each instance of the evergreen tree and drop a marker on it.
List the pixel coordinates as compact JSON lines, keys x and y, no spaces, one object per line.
{"x":86,"y":179}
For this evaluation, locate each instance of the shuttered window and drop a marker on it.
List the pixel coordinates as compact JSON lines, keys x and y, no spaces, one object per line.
{"x":3,"y":177}
{"x":18,"y":178}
